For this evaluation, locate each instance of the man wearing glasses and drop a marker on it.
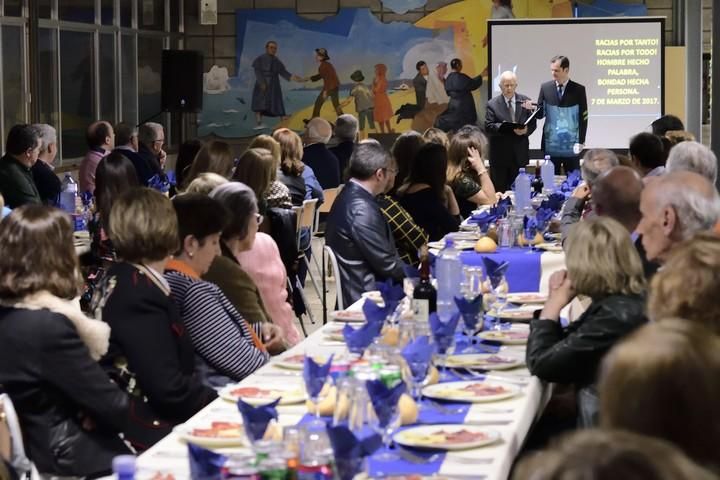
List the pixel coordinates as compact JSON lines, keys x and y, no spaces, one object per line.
{"x":357,"y":231}
{"x":151,"y":156}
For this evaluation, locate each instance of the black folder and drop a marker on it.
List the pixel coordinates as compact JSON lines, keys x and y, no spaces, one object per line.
{"x":508,"y":127}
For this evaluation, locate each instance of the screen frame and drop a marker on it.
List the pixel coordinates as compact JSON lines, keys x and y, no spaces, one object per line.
{"x":580,"y":20}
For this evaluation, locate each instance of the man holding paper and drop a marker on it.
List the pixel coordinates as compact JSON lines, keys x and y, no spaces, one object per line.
{"x":508,"y":123}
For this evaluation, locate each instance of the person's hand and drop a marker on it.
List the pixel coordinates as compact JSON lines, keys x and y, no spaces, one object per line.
{"x":581,"y":192}
{"x":561,"y":293}
{"x":476,"y":160}
{"x":272,"y":339}
{"x":295,"y":78}
{"x":162,"y":157}
{"x":577,"y":148}
{"x":528,"y":105}
{"x":520,"y":131}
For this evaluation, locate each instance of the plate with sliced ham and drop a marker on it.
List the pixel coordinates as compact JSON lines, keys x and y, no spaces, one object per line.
{"x":296,"y":362}
{"x":511,"y":336}
{"x":257,"y":395}
{"x":347,"y":316}
{"x":446,"y":437}
{"x":483,"y":361}
{"x":213,"y":434}
{"x":470,"y":391}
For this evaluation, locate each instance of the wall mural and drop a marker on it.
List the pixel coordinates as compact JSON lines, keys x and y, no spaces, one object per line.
{"x":351,"y":63}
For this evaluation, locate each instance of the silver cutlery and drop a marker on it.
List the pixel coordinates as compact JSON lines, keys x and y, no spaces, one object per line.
{"x":411,"y":457}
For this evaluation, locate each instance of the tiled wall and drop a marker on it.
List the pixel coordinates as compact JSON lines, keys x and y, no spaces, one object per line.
{"x":218,"y":41}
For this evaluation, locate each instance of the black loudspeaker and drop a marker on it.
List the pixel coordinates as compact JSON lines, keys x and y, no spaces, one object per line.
{"x":182,"y":81}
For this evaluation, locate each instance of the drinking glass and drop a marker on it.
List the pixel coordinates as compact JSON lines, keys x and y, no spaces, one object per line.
{"x":386,"y":430}
{"x":500,"y":292}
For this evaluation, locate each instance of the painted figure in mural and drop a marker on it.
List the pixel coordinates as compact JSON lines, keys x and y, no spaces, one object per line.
{"x":420,"y":84}
{"x":435,"y":101}
{"x":267,"y":96}
{"x":461,"y":107}
{"x":501,"y":9}
{"x":383,"y":108}
{"x":331,"y":84}
{"x":364,"y":102}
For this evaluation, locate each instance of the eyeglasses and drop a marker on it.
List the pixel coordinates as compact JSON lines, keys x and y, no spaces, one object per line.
{"x":259,"y":218}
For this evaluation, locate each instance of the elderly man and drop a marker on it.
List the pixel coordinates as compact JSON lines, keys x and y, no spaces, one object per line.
{"x":46,"y":181}
{"x":346,"y":131}
{"x":316,"y":154}
{"x":693,"y":157}
{"x":674,"y":207}
{"x":21,"y":152}
{"x":100,"y":138}
{"x":595,"y":162}
{"x":509,"y":149}
{"x":151,"y":156}
{"x":356,"y":229}
{"x":616,"y":194}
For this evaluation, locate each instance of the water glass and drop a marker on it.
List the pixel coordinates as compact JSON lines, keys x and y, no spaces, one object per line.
{"x":506,"y":238}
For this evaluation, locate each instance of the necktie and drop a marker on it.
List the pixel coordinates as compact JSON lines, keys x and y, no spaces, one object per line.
{"x":511,"y":107}
{"x":560,"y":91}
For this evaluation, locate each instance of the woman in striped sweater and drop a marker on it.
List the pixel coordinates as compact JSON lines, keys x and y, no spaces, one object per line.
{"x":229,"y":348}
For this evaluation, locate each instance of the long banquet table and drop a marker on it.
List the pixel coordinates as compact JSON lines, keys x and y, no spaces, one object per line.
{"x":512,"y":418}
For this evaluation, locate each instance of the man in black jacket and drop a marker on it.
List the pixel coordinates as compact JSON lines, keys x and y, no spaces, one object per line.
{"x":563,"y":100}
{"x":356,"y":229}
{"x":509,"y":150}
{"x":316,"y":154}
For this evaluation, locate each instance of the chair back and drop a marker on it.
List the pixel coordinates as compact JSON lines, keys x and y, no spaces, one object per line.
{"x":307,"y":217}
{"x":329,"y":195}
{"x":298,"y":213}
{"x":338,"y":283}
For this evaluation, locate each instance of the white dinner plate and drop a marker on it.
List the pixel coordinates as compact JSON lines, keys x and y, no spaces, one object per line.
{"x":446,"y":437}
{"x":512,"y":336}
{"x":225,"y":438}
{"x":484,"y":361}
{"x":526,"y":297}
{"x":549,"y":247}
{"x":517,"y":314}
{"x":295,"y":362}
{"x":347,"y":316}
{"x":470,"y":391}
{"x":257,"y":395}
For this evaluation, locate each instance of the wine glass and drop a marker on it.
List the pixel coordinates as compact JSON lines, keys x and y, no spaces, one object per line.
{"x":386,"y":428}
{"x":500,"y":293}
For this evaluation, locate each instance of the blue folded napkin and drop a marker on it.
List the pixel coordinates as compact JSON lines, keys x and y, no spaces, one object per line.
{"x":159,"y":182}
{"x":443,"y":332}
{"x":483,"y":219}
{"x":359,"y":339}
{"x":172,"y":180}
{"x":418,"y":354}
{"x":554,"y":201}
{"x":375,"y":313}
{"x":384,"y":400}
{"x":390,"y":292}
{"x":495,"y":270}
{"x":205,"y":464}
{"x":315,"y":375}
{"x":470,"y":310}
{"x":256,"y":419}
{"x":572,"y":181}
{"x":349,"y":451}
{"x":86,"y":198}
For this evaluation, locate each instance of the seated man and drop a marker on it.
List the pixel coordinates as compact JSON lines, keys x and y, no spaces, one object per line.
{"x":151,"y":156}
{"x":616,"y":194}
{"x":647,"y":154}
{"x":346,"y":132}
{"x":100,"y":138}
{"x":595,"y":162}
{"x":693,"y":157}
{"x":674,"y":207}
{"x":21,"y":152}
{"x":316,"y":154}
{"x":356,"y":229}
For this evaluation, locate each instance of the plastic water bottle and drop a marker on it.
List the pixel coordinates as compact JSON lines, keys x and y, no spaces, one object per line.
{"x":547,"y":172}
{"x":448,"y":270}
{"x":68,"y":194}
{"x":522,"y":191}
{"x":124,"y":467}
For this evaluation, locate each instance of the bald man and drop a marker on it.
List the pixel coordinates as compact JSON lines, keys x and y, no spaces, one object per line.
{"x":100,"y":140}
{"x":674,"y":207}
{"x":509,"y":149}
{"x":316,"y":154}
{"x":616,"y":194}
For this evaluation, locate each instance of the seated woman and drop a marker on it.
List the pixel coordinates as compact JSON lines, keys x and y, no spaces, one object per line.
{"x":115,"y":174}
{"x":298,"y":177}
{"x":215,"y":156}
{"x":250,"y":271}
{"x":663,"y":382}
{"x":255,"y":169}
{"x":404,"y":150}
{"x":185,"y":157}
{"x":603,"y":264}
{"x":205,"y":183}
{"x":278,"y":194}
{"x":424,"y":194}
{"x":151,"y":355}
{"x":696,"y":263}
{"x":228,"y":347}
{"x":466,"y":172}
{"x":69,"y":411}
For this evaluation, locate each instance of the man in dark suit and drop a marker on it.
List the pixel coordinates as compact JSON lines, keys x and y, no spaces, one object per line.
{"x":509,"y":150}
{"x":564,"y":105}
{"x":316,"y":154}
{"x":420,"y":84}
